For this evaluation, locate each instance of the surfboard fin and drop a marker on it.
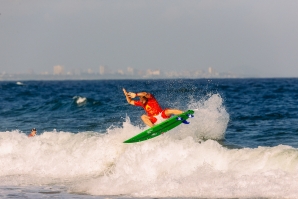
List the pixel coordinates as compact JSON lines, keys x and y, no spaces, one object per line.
{"x":179,"y":118}
{"x":190,"y":115}
{"x":185,"y":122}
{"x":182,"y":120}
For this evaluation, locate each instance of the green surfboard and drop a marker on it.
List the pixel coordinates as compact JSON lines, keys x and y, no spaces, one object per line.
{"x":161,"y":127}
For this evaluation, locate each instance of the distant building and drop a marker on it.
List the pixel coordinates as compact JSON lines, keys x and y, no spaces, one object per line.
{"x":130,"y":71}
{"x":153,"y":72}
{"x":210,"y":70}
{"x":89,"y":71}
{"x":44,"y":73}
{"x":171,"y":74}
{"x":101,"y":70}
{"x":120,"y":72}
{"x":58,"y":70}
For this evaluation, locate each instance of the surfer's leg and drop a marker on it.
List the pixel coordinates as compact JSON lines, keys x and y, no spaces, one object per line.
{"x":147,"y":120}
{"x":169,"y":112}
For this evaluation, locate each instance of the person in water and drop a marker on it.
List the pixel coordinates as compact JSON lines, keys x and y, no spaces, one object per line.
{"x":151,"y":106}
{"x":33,"y":132}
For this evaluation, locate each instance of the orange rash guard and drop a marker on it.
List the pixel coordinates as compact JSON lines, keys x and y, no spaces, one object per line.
{"x":152,"y":108}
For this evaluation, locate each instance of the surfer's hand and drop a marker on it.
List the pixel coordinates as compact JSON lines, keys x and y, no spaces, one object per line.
{"x":132,"y":95}
{"x":124,"y":91}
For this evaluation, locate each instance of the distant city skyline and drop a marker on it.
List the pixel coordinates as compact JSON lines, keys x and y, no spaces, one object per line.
{"x":59,"y":72}
{"x":249,"y":38}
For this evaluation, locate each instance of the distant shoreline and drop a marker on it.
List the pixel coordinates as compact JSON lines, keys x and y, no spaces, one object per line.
{"x":114,"y":79}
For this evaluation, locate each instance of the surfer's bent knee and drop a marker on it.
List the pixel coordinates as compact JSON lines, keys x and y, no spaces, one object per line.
{"x":144,"y":117}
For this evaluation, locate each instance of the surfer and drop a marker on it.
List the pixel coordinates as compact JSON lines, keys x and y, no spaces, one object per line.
{"x":151,"y":106}
{"x":33,"y":132}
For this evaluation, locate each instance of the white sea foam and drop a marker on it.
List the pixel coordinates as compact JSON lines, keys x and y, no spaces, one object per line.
{"x":175,"y":164}
{"x":80,"y":100}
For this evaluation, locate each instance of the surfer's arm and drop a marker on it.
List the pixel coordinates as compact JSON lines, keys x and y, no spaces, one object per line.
{"x":140,"y":94}
{"x":128,"y":98}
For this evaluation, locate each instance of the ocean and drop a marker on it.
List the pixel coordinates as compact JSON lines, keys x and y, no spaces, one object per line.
{"x":241,"y":143}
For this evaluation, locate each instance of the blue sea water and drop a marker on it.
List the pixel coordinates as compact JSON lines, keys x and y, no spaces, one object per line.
{"x":242,"y":142}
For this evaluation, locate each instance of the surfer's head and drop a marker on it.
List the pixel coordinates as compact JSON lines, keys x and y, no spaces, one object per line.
{"x":33,"y":133}
{"x":143,"y":99}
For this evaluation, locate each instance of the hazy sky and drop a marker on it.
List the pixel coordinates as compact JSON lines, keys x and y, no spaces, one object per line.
{"x":250,"y":37}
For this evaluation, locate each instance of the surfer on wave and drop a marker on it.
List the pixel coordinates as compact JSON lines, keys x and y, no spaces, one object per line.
{"x":151,"y":106}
